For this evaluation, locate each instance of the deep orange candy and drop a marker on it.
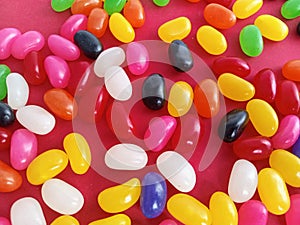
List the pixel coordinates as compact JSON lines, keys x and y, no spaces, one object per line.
{"x":97,"y":22}
{"x":134,"y":12}
{"x":10,"y":179}
{"x":85,"y":6}
{"x":291,"y":70}
{"x":193,"y":0}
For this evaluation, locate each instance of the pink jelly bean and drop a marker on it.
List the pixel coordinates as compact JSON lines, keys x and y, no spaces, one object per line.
{"x":73,"y":24}
{"x":292,"y":217}
{"x":63,"y":47}
{"x":137,"y":58}
{"x":7,"y":37}
{"x":4,"y":221}
{"x":168,"y":222}
{"x":27,"y":42}
{"x":253,"y":210}
{"x":288,"y":132}
{"x":58,"y":71}
{"x":159,"y":132}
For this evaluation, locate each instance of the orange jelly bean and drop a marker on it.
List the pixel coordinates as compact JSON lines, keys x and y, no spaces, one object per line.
{"x":97,"y":22}
{"x":193,"y":0}
{"x":134,"y":12}
{"x":10,"y":179}
{"x":85,"y":6}
{"x":291,"y":70}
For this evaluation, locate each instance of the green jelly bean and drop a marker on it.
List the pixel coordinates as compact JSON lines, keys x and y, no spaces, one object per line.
{"x":161,"y":2}
{"x":114,"y":6}
{"x":251,"y":41}
{"x":290,"y":9}
{"x":4,"y":71}
{"x":61,"y":5}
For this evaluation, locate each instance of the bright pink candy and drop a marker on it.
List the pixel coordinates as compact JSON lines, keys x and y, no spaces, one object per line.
{"x":23,"y":148}
{"x":58,"y":71}
{"x":137,"y":58}
{"x":73,"y":24}
{"x":168,"y":222}
{"x":27,"y":42}
{"x":265,"y":85}
{"x":292,"y":217}
{"x":288,"y":132}
{"x":63,"y":48}
{"x":7,"y":37}
{"x":159,"y":132}
{"x":253,"y":210}
{"x":4,"y":221}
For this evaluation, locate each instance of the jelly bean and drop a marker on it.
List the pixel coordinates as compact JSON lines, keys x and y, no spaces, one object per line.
{"x":180,"y":174}
{"x":61,"y":103}
{"x":154,"y":195}
{"x":235,"y":88}
{"x":180,"y":56}
{"x":211,"y":40}
{"x":137,"y":58}
{"x":4,"y":72}
{"x":159,"y":132}
{"x":61,"y":5}
{"x":273,"y":191}
{"x":193,"y":0}
{"x":4,"y":221}
{"x":246,"y":8}
{"x":62,"y":197}
{"x":114,"y":56}
{"x":117,"y":83}
{"x":263,"y":117}
{"x":23,"y":148}
{"x":290,"y":10}
{"x":271,"y":27}
{"x":298,"y":28}
{"x":253,"y":210}
{"x":121,"y":28}
{"x":85,"y":6}
{"x":27,"y":42}
{"x":119,"y":219}
{"x":188,"y":210}
{"x":17,"y":90}
{"x":27,"y":210}
{"x":292,"y":216}
{"x":176,"y":29}
{"x":219,"y":16}
{"x":223,"y":210}
{"x":288,"y":165}
{"x":134,"y":12}
{"x":180,"y":99}
{"x":243,"y":181}
{"x":290,"y":70}
{"x":36,"y":119}
{"x":126,"y":157}
{"x":253,"y":148}
{"x":265,"y":85}
{"x":161,"y":2}
{"x":10,"y":179}
{"x":88,"y":43}
{"x":168,"y":222}
{"x":113,"y":6}
{"x":226,"y":3}
{"x":78,"y":151}
{"x":46,"y":166}
{"x":5,"y":137}
{"x":97,"y":22}
{"x":207,"y":98}
{"x":73,"y":24}
{"x":34,"y":71}
{"x":65,"y":220}
{"x":251,"y":41}
{"x":121,"y":197}
{"x":232,"y":65}
{"x":7,"y":116}
{"x":7,"y":38}
{"x":296,"y":148}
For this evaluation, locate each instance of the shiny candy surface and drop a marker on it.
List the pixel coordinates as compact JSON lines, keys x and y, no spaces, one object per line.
{"x":121,"y":28}
{"x":292,"y":216}
{"x":168,"y":222}
{"x":73,"y":24}
{"x":134,"y":12}
{"x":265,"y":85}
{"x":7,"y":38}
{"x":34,"y":71}
{"x":4,"y":221}
{"x":121,"y":197}
{"x":137,"y":57}
{"x":97,"y":22}
{"x":7,"y":116}
{"x":161,"y":2}
{"x":291,"y":9}
{"x":65,"y":220}
{"x":113,"y":6}
{"x":61,"y":5}
{"x":4,"y":72}
{"x":296,"y":148}
{"x":5,"y":137}
{"x":180,"y":56}
{"x":246,"y":8}
{"x":291,"y":69}
{"x":253,"y":210}
{"x":10,"y":179}
{"x":85,"y":6}
{"x":118,"y":219}
{"x":251,"y":41}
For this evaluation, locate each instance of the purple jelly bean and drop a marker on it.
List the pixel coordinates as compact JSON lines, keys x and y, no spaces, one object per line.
{"x":292,"y":217}
{"x":296,"y":148}
{"x":73,"y":24}
{"x":4,"y":221}
{"x":137,"y":58}
{"x":253,"y":210}
{"x":7,"y":37}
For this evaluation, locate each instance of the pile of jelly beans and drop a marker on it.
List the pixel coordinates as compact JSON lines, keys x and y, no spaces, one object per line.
{"x":269,"y":106}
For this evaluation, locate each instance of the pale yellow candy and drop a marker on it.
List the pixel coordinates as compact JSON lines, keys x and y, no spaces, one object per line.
{"x":65,"y":220}
{"x":246,"y":8}
{"x":121,"y":28}
{"x":119,"y":219}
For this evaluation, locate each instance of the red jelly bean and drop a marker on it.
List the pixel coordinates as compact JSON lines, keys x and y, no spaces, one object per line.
{"x":287,"y":98}
{"x":97,"y":22}
{"x":10,"y":179}
{"x":73,"y":24}
{"x":291,"y":70}
{"x":253,"y":148}
{"x":134,"y":12}
{"x":85,"y":6}
{"x":34,"y":71}
{"x":292,"y":217}
{"x":225,"y":3}
{"x":265,"y":85}
{"x":5,"y":136}
{"x":234,"y":65}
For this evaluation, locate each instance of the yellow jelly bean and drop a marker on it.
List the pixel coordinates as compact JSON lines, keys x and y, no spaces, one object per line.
{"x":211,"y":40}
{"x":263,"y":117}
{"x":78,"y":151}
{"x":65,"y":220}
{"x":46,"y":166}
{"x":176,"y":29}
{"x":180,"y":99}
{"x":121,"y":197}
{"x":288,"y":165}
{"x":119,"y":219}
{"x":246,"y":8}
{"x":121,"y":28}
{"x":223,"y":209}
{"x":271,"y":27}
{"x":235,"y":88}
{"x":188,"y":210}
{"x":273,"y":191}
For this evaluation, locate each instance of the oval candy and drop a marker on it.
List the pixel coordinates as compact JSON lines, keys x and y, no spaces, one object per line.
{"x":85,"y":6}
{"x":73,"y":24}
{"x":290,"y":10}
{"x":168,"y":222}
{"x":61,"y":5}
{"x":4,"y":221}
{"x":292,"y":216}
{"x":97,"y":22}
{"x":121,"y":28}
{"x":34,"y":71}
{"x":7,"y":116}
{"x":180,"y":56}
{"x":65,"y":220}
{"x":118,"y":219}
{"x":10,"y":179}
{"x":134,"y":12}
{"x":296,"y":148}
{"x":265,"y":85}
{"x":5,"y":137}
{"x":7,"y":37}
{"x":137,"y":57}
{"x":246,"y":8}
{"x":251,"y":41}
{"x":4,"y":72}
{"x":113,"y":6}
{"x":161,"y":2}
{"x":291,"y":69}
{"x":253,"y":210}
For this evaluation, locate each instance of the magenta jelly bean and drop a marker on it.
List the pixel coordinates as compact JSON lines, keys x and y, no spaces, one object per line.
{"x":253,"y":211}
{"x":73,"y":24}
{"x":63,"y":48}
{"x":265,"y":85}
{"x":137,"y":58}
{"x":58,"y":71}
{"x":168,"y":222}
{"x":292,"y":217}
{"x":7,"y":37}
{"x":234,"y":65}
{"x":23,"y":148}
{"x":27,"y":42}
{"x":4,"y":221}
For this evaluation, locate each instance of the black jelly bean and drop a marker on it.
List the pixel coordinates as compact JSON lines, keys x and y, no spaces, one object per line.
{"x":7,"y":115}
{"x":298,"y":29}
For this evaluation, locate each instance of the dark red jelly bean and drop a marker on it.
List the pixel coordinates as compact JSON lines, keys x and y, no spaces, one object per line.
{"x":234,"y":65}
{"x":34,"y":71}
{"x":265,"y":85}
{"x":5,"y":136}
{"x":7,"y":115}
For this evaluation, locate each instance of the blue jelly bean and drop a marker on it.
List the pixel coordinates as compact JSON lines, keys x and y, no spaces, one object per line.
{"x":296,"y":148}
